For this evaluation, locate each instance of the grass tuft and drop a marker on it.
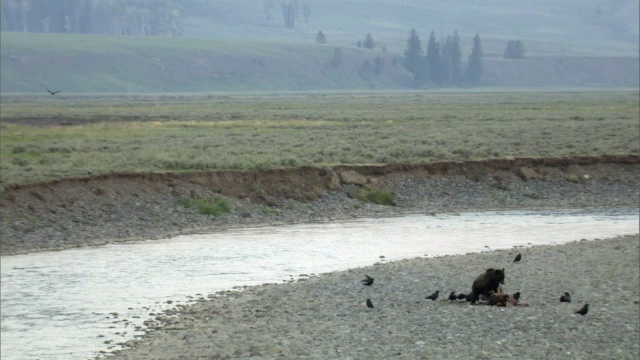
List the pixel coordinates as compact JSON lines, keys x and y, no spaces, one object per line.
{"x":375,"y":196}
{"x":207,"y":206}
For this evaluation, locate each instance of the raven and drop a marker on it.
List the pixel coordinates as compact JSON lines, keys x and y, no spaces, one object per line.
{"x":369,"y":303}
{"x":434,"y":296}
{"x":518,"y":258}
{"x":53,"y":92}
{"x":368,"y":281}
{"x":583,"y":311}
{"x":566,"y":297}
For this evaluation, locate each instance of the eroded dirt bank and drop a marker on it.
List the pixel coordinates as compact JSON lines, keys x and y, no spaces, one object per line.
{"x":126,"y":207}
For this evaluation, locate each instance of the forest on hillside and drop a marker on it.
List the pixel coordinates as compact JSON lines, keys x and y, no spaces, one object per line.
{"x":127,"y":17}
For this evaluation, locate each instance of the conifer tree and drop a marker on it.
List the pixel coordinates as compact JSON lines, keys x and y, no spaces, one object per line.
{"x":434,"y":62}
{"x":474,"y":66}
{"x":514,"y":50}
{"x":368,"y":42}
{"x":455,"y":56}
{"x":413,"y":57}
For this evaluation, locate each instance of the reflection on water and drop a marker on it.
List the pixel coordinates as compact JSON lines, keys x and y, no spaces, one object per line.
{"x":57,"y":305}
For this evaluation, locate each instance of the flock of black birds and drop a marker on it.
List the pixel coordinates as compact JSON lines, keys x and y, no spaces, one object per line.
{"x":566,"y":297}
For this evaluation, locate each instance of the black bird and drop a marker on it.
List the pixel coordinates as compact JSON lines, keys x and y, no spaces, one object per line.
{"x":434,"y":296}
{"x":453,"y":296}
{"x":566,"y":297}
{"x":517,"y":296}
{"x":462,"y":296}
{"x":468,"y":298}
{"x":518,"y":258}
{"x":369,"y":303}
{"x":368,"y":281}
{"x":53,"y":92}
{"x":584,"y":310}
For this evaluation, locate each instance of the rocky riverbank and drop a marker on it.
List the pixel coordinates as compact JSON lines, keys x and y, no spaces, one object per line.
{"x":113,"y":208}
{"x":325,"y":317}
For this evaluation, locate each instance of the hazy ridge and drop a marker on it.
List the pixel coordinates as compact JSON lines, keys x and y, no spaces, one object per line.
{"x":233,"y":47}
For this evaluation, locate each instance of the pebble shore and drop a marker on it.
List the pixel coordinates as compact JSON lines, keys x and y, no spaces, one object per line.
{"x":109,"y":212}
{"x":325,"y":316}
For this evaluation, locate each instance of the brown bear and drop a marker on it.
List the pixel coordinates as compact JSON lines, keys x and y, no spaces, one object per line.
{"x":486,"y":283}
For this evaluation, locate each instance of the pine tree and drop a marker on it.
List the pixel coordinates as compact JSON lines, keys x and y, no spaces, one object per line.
{"x":336,"y":59}
{"x":455,"y":56}
{"x":514,"y":50}
{"x":413,"y":57}
{"x":434,"y":62}
{"x":474,"y":66}
{"x":368,"y":42}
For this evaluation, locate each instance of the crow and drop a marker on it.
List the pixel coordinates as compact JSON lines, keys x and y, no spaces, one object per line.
{"x":53,"y":92}
{"x":462,"y":296}
{"x":516,"y":296}
{"x":368,"y":281}
{"x":453,"y":296}
{"x":468,"y":298}
{"x":583,"y":311}
{"x":566,"y":297}
{"x":369,"y":303}
{"x":434,"y":296}
{"x":518,"y":258}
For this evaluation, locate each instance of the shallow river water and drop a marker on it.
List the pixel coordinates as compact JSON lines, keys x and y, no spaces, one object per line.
{"x":58,"y":305}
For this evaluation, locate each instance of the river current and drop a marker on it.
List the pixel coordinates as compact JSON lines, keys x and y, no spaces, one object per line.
{"x":62,"y":305}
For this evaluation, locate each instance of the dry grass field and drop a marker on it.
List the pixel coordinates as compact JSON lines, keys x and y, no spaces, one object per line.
{"x":48,"y":138}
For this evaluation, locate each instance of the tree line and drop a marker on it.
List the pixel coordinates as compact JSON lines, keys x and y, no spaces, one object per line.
{"x":441,"y":63}
{"x":108,"y":17}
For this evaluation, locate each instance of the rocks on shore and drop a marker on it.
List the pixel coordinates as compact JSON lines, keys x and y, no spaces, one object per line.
{"x":326,"y":317}
{"x":103,"y":210}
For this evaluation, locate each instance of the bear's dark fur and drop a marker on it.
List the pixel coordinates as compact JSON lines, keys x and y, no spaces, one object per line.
{"x":486,"y":283}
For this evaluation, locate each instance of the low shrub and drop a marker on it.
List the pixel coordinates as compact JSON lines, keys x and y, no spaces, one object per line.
{"x":375,"y":196}
{"x":207,"y":206}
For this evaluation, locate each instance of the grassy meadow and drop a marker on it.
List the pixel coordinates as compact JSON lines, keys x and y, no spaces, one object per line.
{"x":184,"y":133}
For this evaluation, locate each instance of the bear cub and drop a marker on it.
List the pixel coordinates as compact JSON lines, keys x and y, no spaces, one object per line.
{"x":486,"y":283}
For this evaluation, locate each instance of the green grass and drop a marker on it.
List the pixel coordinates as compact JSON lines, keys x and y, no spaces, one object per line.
{"x":374,"y":196}
{"x":242,"y":132}
{"x":215,"y":206}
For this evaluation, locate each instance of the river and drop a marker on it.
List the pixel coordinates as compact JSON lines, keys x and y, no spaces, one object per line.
{"x":62,"y":305}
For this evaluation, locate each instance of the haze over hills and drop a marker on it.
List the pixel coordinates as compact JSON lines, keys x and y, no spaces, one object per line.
{"x":232,"y":45}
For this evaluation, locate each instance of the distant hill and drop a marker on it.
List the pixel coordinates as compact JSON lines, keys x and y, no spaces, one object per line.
{"x":109,"y":64}
{"x":548,"y":27}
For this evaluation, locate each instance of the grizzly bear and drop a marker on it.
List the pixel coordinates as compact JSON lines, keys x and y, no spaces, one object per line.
{"x":486,"y":283}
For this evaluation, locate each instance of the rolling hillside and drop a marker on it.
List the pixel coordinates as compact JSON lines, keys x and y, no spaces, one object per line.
{"x":107,"y":64}
{"x":232,"y":45}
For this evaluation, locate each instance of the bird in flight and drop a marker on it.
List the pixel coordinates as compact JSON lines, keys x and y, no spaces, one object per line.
{"x":583,"y":311}
{"x":566,"y":297}
{"x":53,"y":92}
{"x":368,"y":281}
{"x":518,"y":258}
{"x":369,"y":303}
{"x":434,"y":296}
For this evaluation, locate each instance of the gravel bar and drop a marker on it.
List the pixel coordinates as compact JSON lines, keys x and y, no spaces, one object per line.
{"x":325,"y":317}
